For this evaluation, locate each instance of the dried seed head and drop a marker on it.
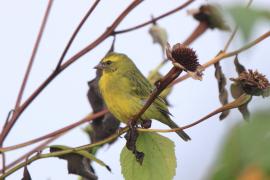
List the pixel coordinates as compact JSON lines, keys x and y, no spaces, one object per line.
{"x":253,"y":83}
{"x":185,"y":56}
{"x":211,"y":15}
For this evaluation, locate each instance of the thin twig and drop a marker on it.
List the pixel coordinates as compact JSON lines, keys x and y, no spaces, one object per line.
{"x":3,"y":155}
{"x":57,"y":132}
{"x":85,"y":50}
{"x":89,"y":12}
{"x":33,"y":55}
{"x":36,"y":149}
{"x":154,"y":19}
{"x":235,"y":104}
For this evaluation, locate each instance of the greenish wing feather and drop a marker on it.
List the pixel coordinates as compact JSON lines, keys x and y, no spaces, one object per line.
{"x":142,"y":88}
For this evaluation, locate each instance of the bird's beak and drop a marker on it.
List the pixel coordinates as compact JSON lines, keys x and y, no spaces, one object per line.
{"x":99,"y":66}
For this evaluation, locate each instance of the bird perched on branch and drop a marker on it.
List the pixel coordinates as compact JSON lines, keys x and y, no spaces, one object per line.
{"x":125,"y":91}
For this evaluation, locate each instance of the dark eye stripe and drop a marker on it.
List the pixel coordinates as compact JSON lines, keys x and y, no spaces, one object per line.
{"x":108,"y":62}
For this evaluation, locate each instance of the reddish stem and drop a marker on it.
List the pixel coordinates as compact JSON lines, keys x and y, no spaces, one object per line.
{"x":153,"y":20}
{"x":33,"y":55}
{"x":199,"y":30}
{"x":89,"y":12}
{"x":57,"y":132}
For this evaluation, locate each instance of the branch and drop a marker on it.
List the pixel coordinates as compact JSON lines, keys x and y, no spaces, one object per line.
{"x":34,"y":52}
{"x":155,"y":19}
{"x":36,"y":149}
{"x":55,"y":133}
{"x":235,"y":104}
{"x":100,"y":39}
{"x":224,"y":55}
{"x":89,"y":12}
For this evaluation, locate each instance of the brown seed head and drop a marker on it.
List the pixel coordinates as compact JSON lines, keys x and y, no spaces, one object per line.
{"x":252,"y":82}
{"x":185,"y":56}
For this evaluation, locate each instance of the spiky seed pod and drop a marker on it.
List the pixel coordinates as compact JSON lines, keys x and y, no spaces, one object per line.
{"x":252,"y":82}
{"x":185,"y":56}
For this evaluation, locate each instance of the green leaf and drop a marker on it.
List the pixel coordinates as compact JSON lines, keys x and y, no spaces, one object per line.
{"x":246,"y":18}
{"x":159,"y":162}
{"x":246,"y":148}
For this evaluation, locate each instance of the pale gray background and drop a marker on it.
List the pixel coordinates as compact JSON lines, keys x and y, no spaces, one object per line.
{"x":64,"y":100}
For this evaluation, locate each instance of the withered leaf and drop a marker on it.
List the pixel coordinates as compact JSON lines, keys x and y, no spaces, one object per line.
{"x":239,"y":67}
{"x":26,"y":174}
{"x":237,"y":91}
{"x":223,"y":93}
{"x":159,"y":35}
{"x":79,"y":162}
{"x":106,"y":125}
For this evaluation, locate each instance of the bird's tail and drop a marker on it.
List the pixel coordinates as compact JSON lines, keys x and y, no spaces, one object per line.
{"x":180,"y":133}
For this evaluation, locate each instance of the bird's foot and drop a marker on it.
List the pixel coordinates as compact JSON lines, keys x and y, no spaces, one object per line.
{"x":131,"y":137}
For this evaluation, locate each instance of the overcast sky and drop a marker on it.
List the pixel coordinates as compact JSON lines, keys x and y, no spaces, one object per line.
{"x":64,"y":100}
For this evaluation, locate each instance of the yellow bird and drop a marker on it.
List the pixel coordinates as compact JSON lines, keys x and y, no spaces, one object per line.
{"x":125,"y":91}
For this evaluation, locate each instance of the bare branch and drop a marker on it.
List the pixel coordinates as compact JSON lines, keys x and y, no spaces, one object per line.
{"x":155,"y":19}
{"x":89,"y":12}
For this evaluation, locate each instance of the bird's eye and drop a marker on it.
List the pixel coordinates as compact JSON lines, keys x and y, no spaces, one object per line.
{"x":108,"y":62}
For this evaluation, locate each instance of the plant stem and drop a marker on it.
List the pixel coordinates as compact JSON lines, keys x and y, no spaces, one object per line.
{"x":155,"y":19}
{"x":89,"y":12}
{"x":235,"y":104}
{"x":54,"y":133}
{"x":199,"y":30}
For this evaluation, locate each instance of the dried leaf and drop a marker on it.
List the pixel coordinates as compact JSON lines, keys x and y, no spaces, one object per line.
{"x":239,"y":67}
{"x":79,"y":162}
{"x":106,"y":125}
{"x":159,"y":35}
{"x":26,"y":174}
{"x":212,"y":15}
{"x":223,"y":93}
{"x":237,"y":91}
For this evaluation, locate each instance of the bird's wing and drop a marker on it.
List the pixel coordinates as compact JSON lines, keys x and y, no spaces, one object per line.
{"x":141,"y":88}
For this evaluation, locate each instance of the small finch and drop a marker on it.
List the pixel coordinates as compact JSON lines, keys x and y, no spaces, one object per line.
{"x":125,"y":91}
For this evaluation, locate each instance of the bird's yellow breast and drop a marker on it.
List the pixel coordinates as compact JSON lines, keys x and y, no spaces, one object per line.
{"x":115,"y":91}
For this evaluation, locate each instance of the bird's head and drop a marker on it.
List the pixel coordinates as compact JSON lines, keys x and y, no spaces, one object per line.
{"x":114,"y":62}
